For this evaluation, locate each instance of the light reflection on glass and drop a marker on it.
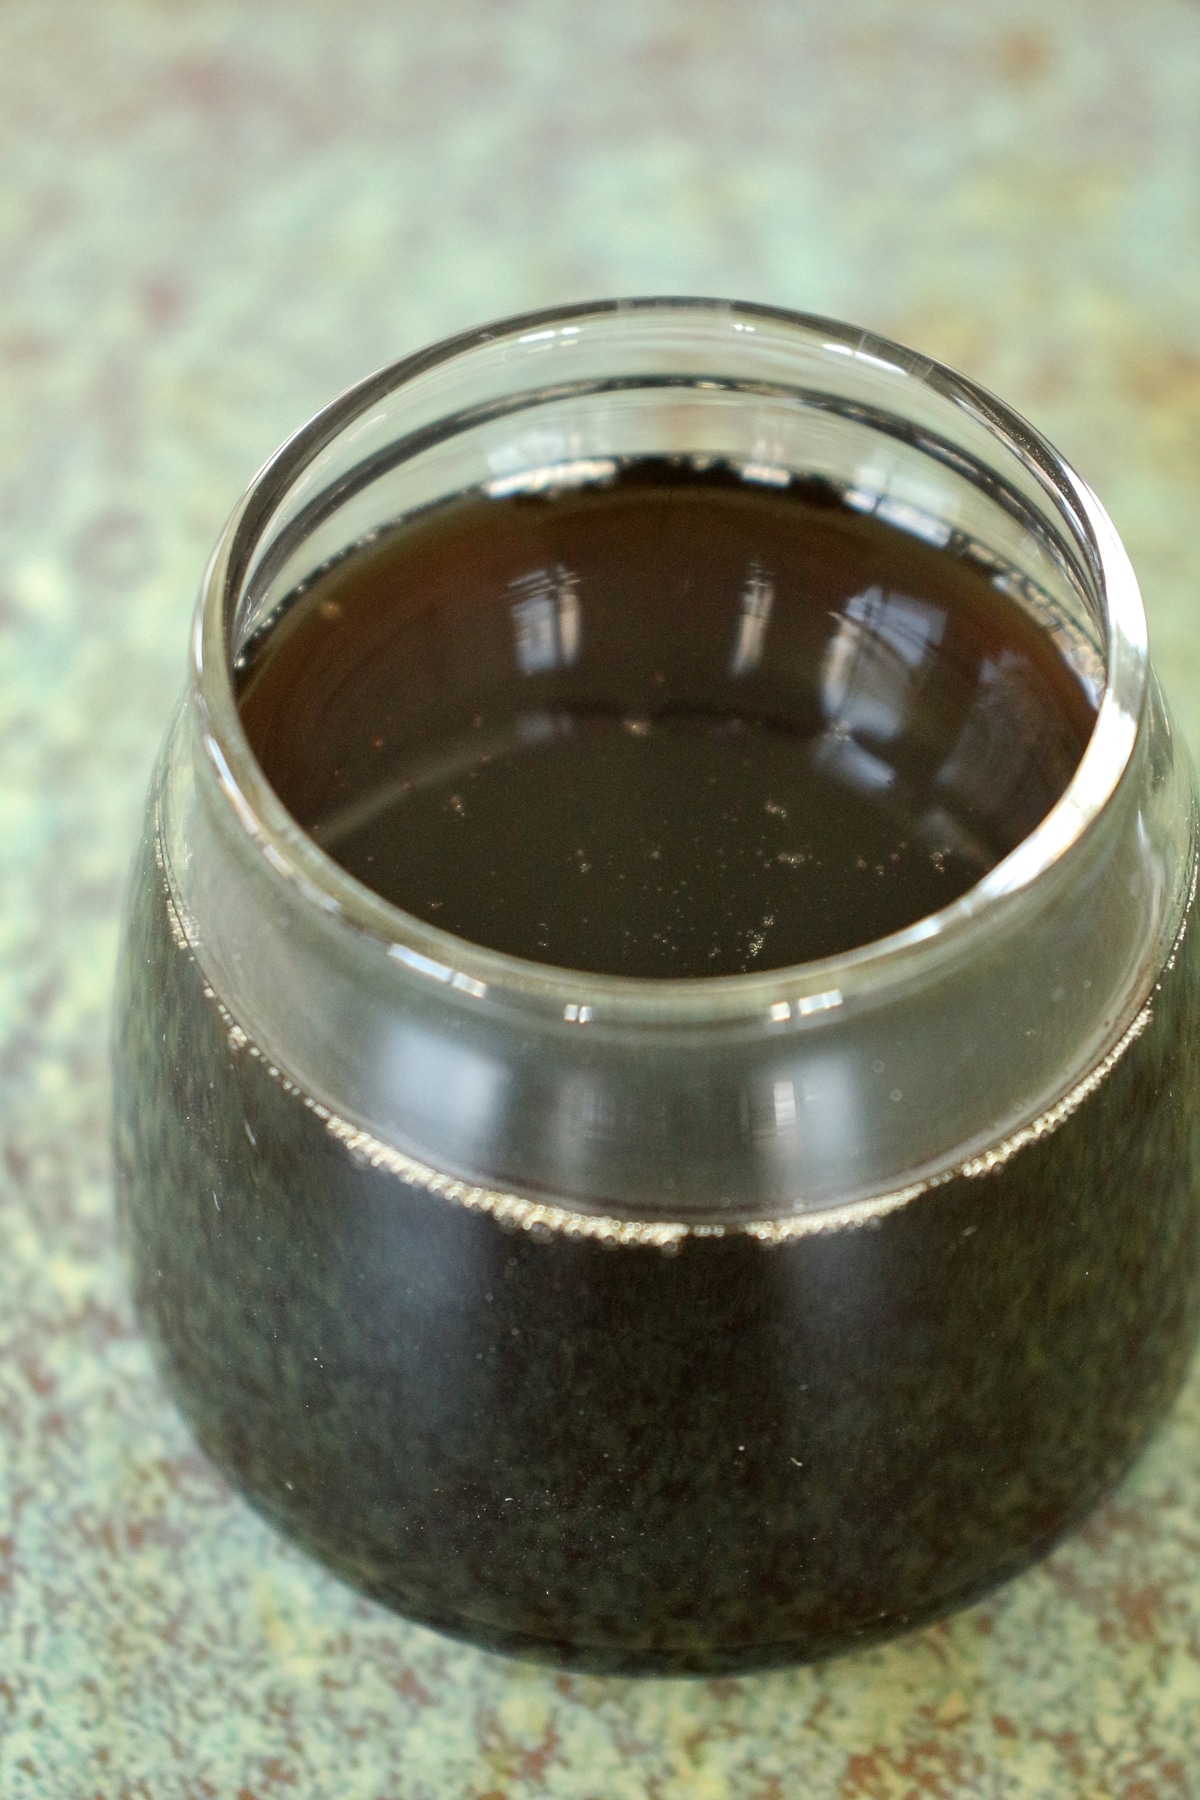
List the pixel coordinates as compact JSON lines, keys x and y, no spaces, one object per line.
{"x":840,"y":755}
{"x":758,"y":597}
{"x":882,"y":643}
{"x":444,"y":1081}
{"x":546,"y":620}
{"x":990,"y":761}
{"x":815,"y":1102}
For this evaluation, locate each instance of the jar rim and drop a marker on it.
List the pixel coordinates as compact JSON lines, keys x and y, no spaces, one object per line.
{"x":427,"y":950}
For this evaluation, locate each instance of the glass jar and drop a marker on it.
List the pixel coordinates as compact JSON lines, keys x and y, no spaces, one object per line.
{"x":668,"y":1325}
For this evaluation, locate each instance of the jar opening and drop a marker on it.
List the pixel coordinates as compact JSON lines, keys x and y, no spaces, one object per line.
{"x":664,"y":719}
{"x":795,"y":411}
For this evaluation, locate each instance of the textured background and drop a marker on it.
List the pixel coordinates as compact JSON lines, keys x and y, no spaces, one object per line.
{"x":212,"y":217}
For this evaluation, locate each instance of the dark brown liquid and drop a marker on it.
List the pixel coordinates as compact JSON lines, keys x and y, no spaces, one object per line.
{"x":678,"y":724}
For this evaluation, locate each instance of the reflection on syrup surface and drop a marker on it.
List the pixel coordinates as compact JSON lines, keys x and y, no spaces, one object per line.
{"x":675,"y":724}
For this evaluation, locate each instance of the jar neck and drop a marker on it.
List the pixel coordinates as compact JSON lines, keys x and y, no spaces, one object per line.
{"x":831,"y":1095}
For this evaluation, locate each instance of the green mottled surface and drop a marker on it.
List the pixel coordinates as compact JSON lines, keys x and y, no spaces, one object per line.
{"x":211,"y":218}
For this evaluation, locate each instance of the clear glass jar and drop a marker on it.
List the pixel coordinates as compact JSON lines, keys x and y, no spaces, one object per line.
{"x":668,"y":1325}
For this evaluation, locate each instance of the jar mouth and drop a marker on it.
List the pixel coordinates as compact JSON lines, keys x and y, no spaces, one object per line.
{"x":1100,"y":566}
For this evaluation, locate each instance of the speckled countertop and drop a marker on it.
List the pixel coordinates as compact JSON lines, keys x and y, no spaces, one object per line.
{"x":212,"y":217}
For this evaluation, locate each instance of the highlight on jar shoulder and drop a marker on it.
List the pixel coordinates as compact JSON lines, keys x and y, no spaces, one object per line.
{"x":657,"y":1021}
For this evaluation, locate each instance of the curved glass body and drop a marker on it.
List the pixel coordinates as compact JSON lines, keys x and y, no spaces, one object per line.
{"x":674,"y":1325}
